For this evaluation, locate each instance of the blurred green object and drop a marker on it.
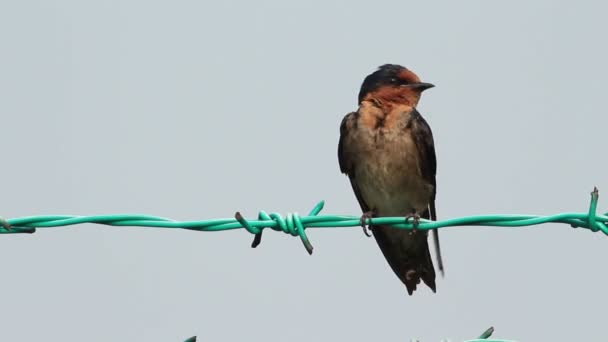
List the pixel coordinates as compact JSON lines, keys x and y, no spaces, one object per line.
{"x":484,"y":337}
{"x":487,"y":333}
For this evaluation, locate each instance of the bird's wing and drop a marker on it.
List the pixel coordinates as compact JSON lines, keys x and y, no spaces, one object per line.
{"x":346,"y":160}
{"x":421,"y":131}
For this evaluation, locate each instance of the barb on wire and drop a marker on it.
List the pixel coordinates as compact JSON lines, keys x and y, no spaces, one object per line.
{"x":296,"y":225}
{"x":485,"y":337}
{"x":486,"y":334}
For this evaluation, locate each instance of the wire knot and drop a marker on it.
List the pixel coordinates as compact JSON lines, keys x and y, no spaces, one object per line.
{"x":292,"y":224}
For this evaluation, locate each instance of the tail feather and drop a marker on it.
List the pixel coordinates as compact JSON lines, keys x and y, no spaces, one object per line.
{"x":408,"y":255}
{"x":432,"y":215}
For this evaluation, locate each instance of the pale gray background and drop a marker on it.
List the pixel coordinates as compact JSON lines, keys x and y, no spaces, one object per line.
{"x":194,"y":110}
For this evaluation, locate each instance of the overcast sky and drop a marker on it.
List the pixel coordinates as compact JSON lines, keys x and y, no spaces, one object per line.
{"x":194,"y":110}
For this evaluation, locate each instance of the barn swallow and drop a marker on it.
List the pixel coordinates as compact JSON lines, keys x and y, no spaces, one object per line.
{"x":386,"y":148}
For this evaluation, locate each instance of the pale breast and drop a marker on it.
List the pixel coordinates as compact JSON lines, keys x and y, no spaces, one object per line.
{"x":387,"y":170}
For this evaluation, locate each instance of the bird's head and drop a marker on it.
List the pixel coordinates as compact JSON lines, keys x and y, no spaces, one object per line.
{"x":393,"y":84}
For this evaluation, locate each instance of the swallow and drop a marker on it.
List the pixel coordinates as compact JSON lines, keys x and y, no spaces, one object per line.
{"x":387,"y":150}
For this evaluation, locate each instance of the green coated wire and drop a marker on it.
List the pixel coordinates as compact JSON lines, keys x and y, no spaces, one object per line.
{"x":296,"y":225}
{"x":484,"y":337}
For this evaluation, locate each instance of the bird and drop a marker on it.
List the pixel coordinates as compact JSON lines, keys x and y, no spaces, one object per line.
{"x":386,"y":149}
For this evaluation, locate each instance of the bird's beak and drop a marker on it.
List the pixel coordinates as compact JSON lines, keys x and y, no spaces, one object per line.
{"x":421,"y":86}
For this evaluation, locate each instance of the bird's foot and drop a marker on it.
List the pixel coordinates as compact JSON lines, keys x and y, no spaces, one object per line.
{"x":366,"y":216}
{"x":415,"y":221}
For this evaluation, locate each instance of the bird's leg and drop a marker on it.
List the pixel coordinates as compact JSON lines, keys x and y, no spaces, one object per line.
{"x":366,"y":216}
{"x":415,"y":220}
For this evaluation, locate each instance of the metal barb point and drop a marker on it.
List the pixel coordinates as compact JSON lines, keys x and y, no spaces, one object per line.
{"x":308,"y":247}
{"x":487,"y":333}
{"x":246,"y":225}
{"x":257,"y":239}
{"x":593,"y":210}
{"x":301,"y":231}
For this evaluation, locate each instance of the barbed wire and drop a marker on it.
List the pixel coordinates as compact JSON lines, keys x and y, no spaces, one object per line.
{"x":484,"y":337}
{"x":296,"y":225}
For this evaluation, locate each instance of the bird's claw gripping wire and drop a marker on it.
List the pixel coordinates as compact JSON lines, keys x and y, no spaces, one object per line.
{"x":415,"y":221}
{"x":291,"y":224}
{"x":364,"y":224}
